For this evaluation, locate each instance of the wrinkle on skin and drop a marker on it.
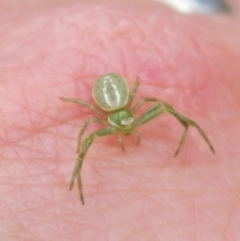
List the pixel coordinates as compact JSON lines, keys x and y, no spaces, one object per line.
{"x":142,"y":193}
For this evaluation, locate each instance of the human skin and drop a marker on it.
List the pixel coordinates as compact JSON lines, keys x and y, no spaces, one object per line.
{"x":59,"y":49}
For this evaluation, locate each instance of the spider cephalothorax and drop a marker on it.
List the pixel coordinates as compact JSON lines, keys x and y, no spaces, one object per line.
{"x":124,"y":120}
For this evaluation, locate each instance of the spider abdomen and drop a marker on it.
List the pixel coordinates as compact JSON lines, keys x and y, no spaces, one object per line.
{"x":111,"y":92}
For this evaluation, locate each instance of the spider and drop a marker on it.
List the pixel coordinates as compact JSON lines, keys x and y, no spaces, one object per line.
{"x":112,"y":95}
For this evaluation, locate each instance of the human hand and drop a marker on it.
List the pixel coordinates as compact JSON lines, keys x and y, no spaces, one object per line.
{"x":53,"y":50}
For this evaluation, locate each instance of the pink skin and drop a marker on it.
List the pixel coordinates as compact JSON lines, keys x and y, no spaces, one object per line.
{"x":140,"y":194}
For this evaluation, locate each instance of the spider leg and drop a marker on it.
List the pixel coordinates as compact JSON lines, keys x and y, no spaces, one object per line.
{"x":143,"y":100}
{"x":138,"y":136}
{"x":83,"y":103}
{"x":150,"y":113}
{"x":162,"y":106}
{"x":85,"y":146}
{"x":79,"y":183}
{"x":133,"y":92}
{"x":120,"y":142}
{"x":187,"y":121}
{"x":182,"y":138}
{"x":84,"y":127}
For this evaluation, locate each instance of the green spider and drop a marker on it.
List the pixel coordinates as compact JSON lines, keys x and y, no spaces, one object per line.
{"x":111,"y":93}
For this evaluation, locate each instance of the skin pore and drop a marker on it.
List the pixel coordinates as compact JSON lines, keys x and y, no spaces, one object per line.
{"x":58,"y":49}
